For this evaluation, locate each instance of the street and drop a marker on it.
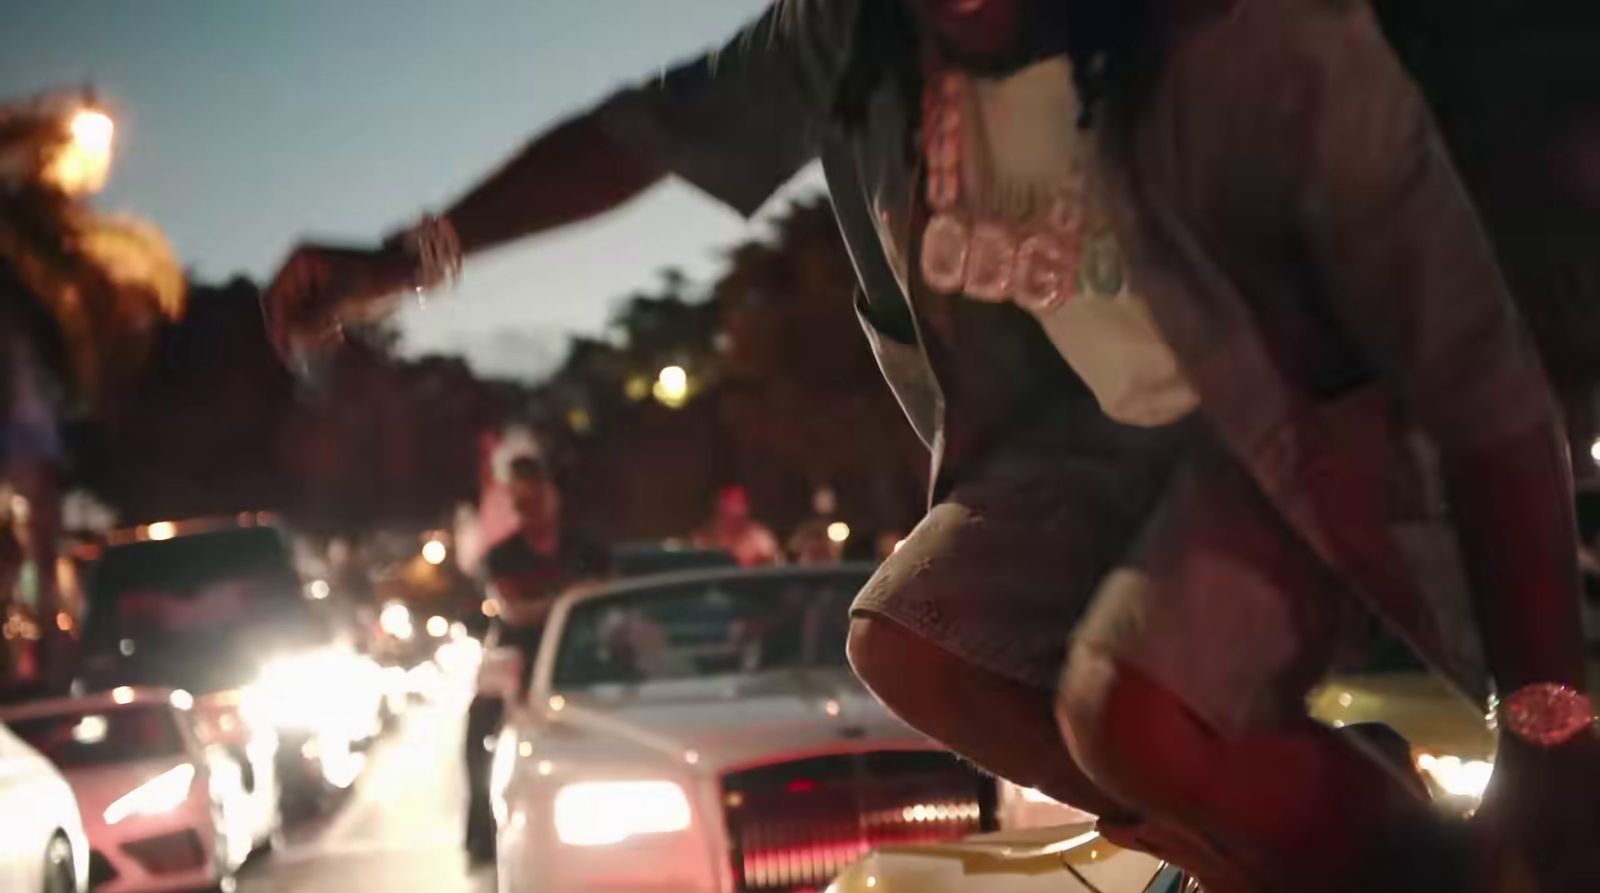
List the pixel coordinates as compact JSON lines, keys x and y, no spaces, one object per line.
{"x":398,"y":830}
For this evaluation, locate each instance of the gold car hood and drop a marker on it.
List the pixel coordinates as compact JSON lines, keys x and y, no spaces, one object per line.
{"x":1065,"y":859}
{"x":1423,"y":709}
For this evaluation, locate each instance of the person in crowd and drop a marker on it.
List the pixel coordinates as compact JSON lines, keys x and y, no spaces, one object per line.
{"x":539,"y":561}
{"x":1147,"y":277}
{"x":734,"y":529}
{"x":812,"y":542}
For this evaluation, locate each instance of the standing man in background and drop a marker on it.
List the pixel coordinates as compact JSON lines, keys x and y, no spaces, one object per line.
{"x":528,"y":571}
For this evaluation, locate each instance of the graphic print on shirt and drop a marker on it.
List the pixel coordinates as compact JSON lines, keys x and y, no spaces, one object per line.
{"x":1018,"y":214}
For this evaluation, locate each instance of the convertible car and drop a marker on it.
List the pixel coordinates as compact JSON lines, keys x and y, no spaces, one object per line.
{"x":700,"y":732}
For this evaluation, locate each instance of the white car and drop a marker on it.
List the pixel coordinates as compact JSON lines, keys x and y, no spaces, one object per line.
{"x":42,"y":844}
{"x":702,"y":733}
{"x":162,"y":810}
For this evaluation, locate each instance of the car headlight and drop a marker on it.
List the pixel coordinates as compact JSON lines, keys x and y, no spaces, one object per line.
{"x":164,"y":793}
{"x":1455,"y":776}
{"x":329,"y":691}
{"x":597,"y":813}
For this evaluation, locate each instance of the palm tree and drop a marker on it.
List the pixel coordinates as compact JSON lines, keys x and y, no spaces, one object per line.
{"x":81,"y":298}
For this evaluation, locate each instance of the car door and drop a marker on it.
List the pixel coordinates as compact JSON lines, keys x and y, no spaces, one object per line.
{"x":22,"y":839}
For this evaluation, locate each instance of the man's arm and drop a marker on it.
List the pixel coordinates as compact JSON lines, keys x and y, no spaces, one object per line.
{"x":737,"y":123}
{"x":569,"y":174}
{"x":1410,"y":273}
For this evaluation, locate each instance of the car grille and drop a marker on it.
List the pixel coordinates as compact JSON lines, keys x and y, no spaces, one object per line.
{"x":168,"y":853}
{"x":100,"y":870}
{"x":796,"y":825}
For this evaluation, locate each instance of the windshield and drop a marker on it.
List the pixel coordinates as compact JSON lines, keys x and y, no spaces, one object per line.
{"x":729,"y":626}
{"x":195,"y":612}
{"x":103,"y":737}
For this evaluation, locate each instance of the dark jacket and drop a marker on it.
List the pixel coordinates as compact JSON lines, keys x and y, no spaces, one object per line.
{"x":1289,"y":212}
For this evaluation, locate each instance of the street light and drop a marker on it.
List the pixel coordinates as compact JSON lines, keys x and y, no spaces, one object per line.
{"x":434,"y":552}
{"x":672,"y":387}
{"x":82,"y":165}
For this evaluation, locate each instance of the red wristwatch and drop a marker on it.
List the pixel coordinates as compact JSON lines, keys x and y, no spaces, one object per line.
{"x":1546,"y":714}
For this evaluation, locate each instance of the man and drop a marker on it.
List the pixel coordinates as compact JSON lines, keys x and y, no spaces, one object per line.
{"x":810,"y":542}
{"x":732,"y":529}
{"x":1146,"y":276}
{"x":529,"y":569}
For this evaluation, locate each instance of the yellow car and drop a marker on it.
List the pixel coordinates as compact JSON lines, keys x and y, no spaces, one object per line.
{"x":1063,"y":859}
{"x":1452,"y":747}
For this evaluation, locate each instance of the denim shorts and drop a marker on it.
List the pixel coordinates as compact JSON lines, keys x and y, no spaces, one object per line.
{"x":1166,"y":556}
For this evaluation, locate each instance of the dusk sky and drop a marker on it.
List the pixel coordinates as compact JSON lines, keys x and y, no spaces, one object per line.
{"x":244,"y":124}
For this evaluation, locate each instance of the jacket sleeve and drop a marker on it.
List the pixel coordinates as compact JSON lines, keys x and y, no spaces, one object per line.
{"x":740,"y":121}
{"x":1407,"y":269}
{"x":1403,"y":260}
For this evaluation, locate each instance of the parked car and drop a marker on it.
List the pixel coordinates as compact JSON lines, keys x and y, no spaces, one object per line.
{"x":43,"y":847}
{"x":221,"y":614}
{"x":701,"y":731}
{"x":162,"y":811}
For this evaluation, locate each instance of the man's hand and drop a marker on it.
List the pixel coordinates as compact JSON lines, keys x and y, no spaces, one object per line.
{"x":321,"y":285}
{"x":1543,"y":805}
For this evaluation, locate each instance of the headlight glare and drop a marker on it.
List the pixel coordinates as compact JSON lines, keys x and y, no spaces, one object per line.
{"x":164,"y":793}
{"x":598,"y":813}
{"x":1455,"y":776}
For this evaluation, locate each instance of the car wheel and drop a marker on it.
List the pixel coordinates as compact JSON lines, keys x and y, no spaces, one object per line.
{"x":60,"y":875}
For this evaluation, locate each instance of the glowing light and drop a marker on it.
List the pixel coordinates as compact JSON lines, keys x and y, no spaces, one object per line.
{"x":1457,"y":777}
{"x":1346,"y":699}
{"x":164,"y":793}
{"x":435,"y":552}
{"x":1034,"y":795}
{"x":491,"y":608}
{"x":672,"y":387}
{"x":557,"y":703}
{"x":162,"y":530}
{"x":182,"y":699}
{"x":395,"y":619}
{"x":90,"y":730}
{"x":838,"y":532}
{"x":126,"y":647}
{"x":438,"y":627}
{"x":525,"y":749}
{"x":319,"y":590}
{"x":692,"y":757}
{"x":83,"y":164}
{"x":63,"y":621}
{"x":122,"y":695}
{"x":546,"y":767}
{"x":1594,"y":450}
{"x":330,"y":692}
{"x":832,"y":708}
{"x":599,"y":813}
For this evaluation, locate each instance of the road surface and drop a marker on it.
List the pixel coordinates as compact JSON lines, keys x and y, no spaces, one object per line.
{"x":398,"y":831}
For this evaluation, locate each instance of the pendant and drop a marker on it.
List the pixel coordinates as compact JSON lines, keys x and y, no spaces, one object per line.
{"x":991,"y":262}
{"x":1066,"y":214}
{"x":1102,"y":266}
{"x":944,"y":189}
{"x":1047,"y":272}
{"x":945,"y":245}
